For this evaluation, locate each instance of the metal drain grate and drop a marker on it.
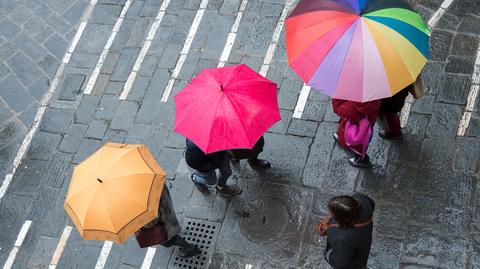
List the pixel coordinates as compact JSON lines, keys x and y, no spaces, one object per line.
{"x":201,"y":233}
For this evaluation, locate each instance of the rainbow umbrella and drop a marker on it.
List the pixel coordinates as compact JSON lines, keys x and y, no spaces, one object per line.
{"x":358,"y":50}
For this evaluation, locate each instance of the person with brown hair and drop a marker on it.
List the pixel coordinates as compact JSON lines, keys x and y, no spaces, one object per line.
{"x":349,"y":231}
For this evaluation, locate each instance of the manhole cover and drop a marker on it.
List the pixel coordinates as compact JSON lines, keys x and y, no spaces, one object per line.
{"x":267,"y":221}
{"x":202,"y":233}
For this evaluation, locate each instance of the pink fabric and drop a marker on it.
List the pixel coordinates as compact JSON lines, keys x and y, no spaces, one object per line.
{"x":358,"y":135}
{"x":226,"y":108}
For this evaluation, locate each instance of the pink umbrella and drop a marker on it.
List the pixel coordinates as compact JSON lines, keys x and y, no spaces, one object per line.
{"x":226,"y":108}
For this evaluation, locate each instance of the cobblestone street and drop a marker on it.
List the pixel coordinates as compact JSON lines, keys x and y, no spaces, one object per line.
{"x":75,"y":74}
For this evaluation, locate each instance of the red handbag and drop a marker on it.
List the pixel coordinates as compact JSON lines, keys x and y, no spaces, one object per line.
{"x":147,"y":237}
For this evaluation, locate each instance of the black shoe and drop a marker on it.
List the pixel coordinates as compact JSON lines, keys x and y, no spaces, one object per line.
{"x":200,"y":187}
{"x":386,"y":136}
{"x":335,"y":136}
{"x":229,"y":189}
{"x":358,"y":162}
{"x":259,"y":163}
{"x":190,"y":251}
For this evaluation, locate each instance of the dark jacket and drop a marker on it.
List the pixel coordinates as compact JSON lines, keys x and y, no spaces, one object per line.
{"x":253,"y":153}
{"x":202,"y":162}
{"x":166,"y":215}
{"x":349,"y":248}
{"x":395,"y":103}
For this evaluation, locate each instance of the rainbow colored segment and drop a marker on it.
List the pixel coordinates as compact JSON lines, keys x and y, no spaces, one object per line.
{"x":358,"y":50}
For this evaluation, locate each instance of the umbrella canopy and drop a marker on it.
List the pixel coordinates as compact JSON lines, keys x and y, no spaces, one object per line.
{"x":114,"y":192}
{"x":358,"y":50}
{"x":226,"y":108}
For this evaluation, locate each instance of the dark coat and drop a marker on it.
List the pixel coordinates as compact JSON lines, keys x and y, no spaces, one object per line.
{"x":198,"y":160}
{"x":253,"y":153}
{"x":354,"y":111}
{"x":350,"y":247}
{"x":395,"y":103}
{"x":166,"y":215}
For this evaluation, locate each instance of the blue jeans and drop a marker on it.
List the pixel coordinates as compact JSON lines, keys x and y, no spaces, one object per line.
{"x":211,"y":178}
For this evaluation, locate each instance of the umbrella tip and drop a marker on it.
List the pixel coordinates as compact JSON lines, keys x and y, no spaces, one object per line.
{"x":221,"y":87}
{"x":99,"y":180}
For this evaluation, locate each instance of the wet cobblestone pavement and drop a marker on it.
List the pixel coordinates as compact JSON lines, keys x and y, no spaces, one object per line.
{"x":425,"y":185}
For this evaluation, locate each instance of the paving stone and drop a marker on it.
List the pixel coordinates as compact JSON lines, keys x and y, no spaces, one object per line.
{"x":287,"y":207}
{"x":123,"y":35}
{"x":110,"y":62}
{"x":114,"y":88}
{"x":49,"y":65}
{"x":28,"y":115}
{"x":27,"y":177}
{"x":83,"y":60}
{"x":11,"y":131}
{"x":56,"y":121}
{"x":106,"y":109}
{"x":3,"y":70}
{"x":149,"y":9}
{"x":465,"y":45}
{"x":21,"y":15}
{"x":8,"y":153}
{"x":148,"y":66}
{"x":469,"y":25}
{"x":57,"y":45}
{"x":125,"y":64}
{"x":94,"y":38}
{"x":281,"y":127}
{"x":34,"y":25}
{"x":58,"y":23}
{"x":459,"y":65}
{"x":319,"y":155}
{"x":430,"y":77}
{"x":314,"y":110}
{"x":5,"y":113}
{"x":271,"y":10}
{"x":138,"y":89}
{"x":228,"y":7}
{"x":59,"y":5}
{"x":87,"y":257}
{"x":44,"y":34}
{"x":87,"y":147}
{"x":454,"y":89}
{"x":288,"y":93}
{"x":86,"y":109}
{"x":14,"y":94}
{"x":124,"y":116}
{"x":466,"y":155}
{"x":216,"y":37}
{"x":25,"y":69}
{"x":101,"y":84}
{"x":105,"y":14}
{"x":139,"y":32}
{"x":385,"y":253}
{"x":44,"y":145}
{"x":448,"y":22}
{"x":8,"y":28}
{"x":71,"y":140}
{"x":13,"y":210}
{"x":43,"y":202}
{"x":285,"y":167}
{"x":75,"y":12}
{"x":169,"y":57}
{"x":312,"y":244}
{"x":444,"y":121}
{"x":58,"y":170}
{"x":7,"y":50}
{"x":276,"y":72}
{"x":71,"y":86}
{"x":420,"y":248}
{"x":440,"y":43}
{"x":150,"y":109}
{"x":30,"y":47}
{"x":132,"y":254}
{"x":424,"y":105}
{"x":303,"y":128}
{"x":96,"y":129}
{"x":474,"y":127}
{"x":170,"y":158}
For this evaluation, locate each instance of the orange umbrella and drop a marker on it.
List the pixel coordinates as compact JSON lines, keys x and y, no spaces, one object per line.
{"x":114,"y":192}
